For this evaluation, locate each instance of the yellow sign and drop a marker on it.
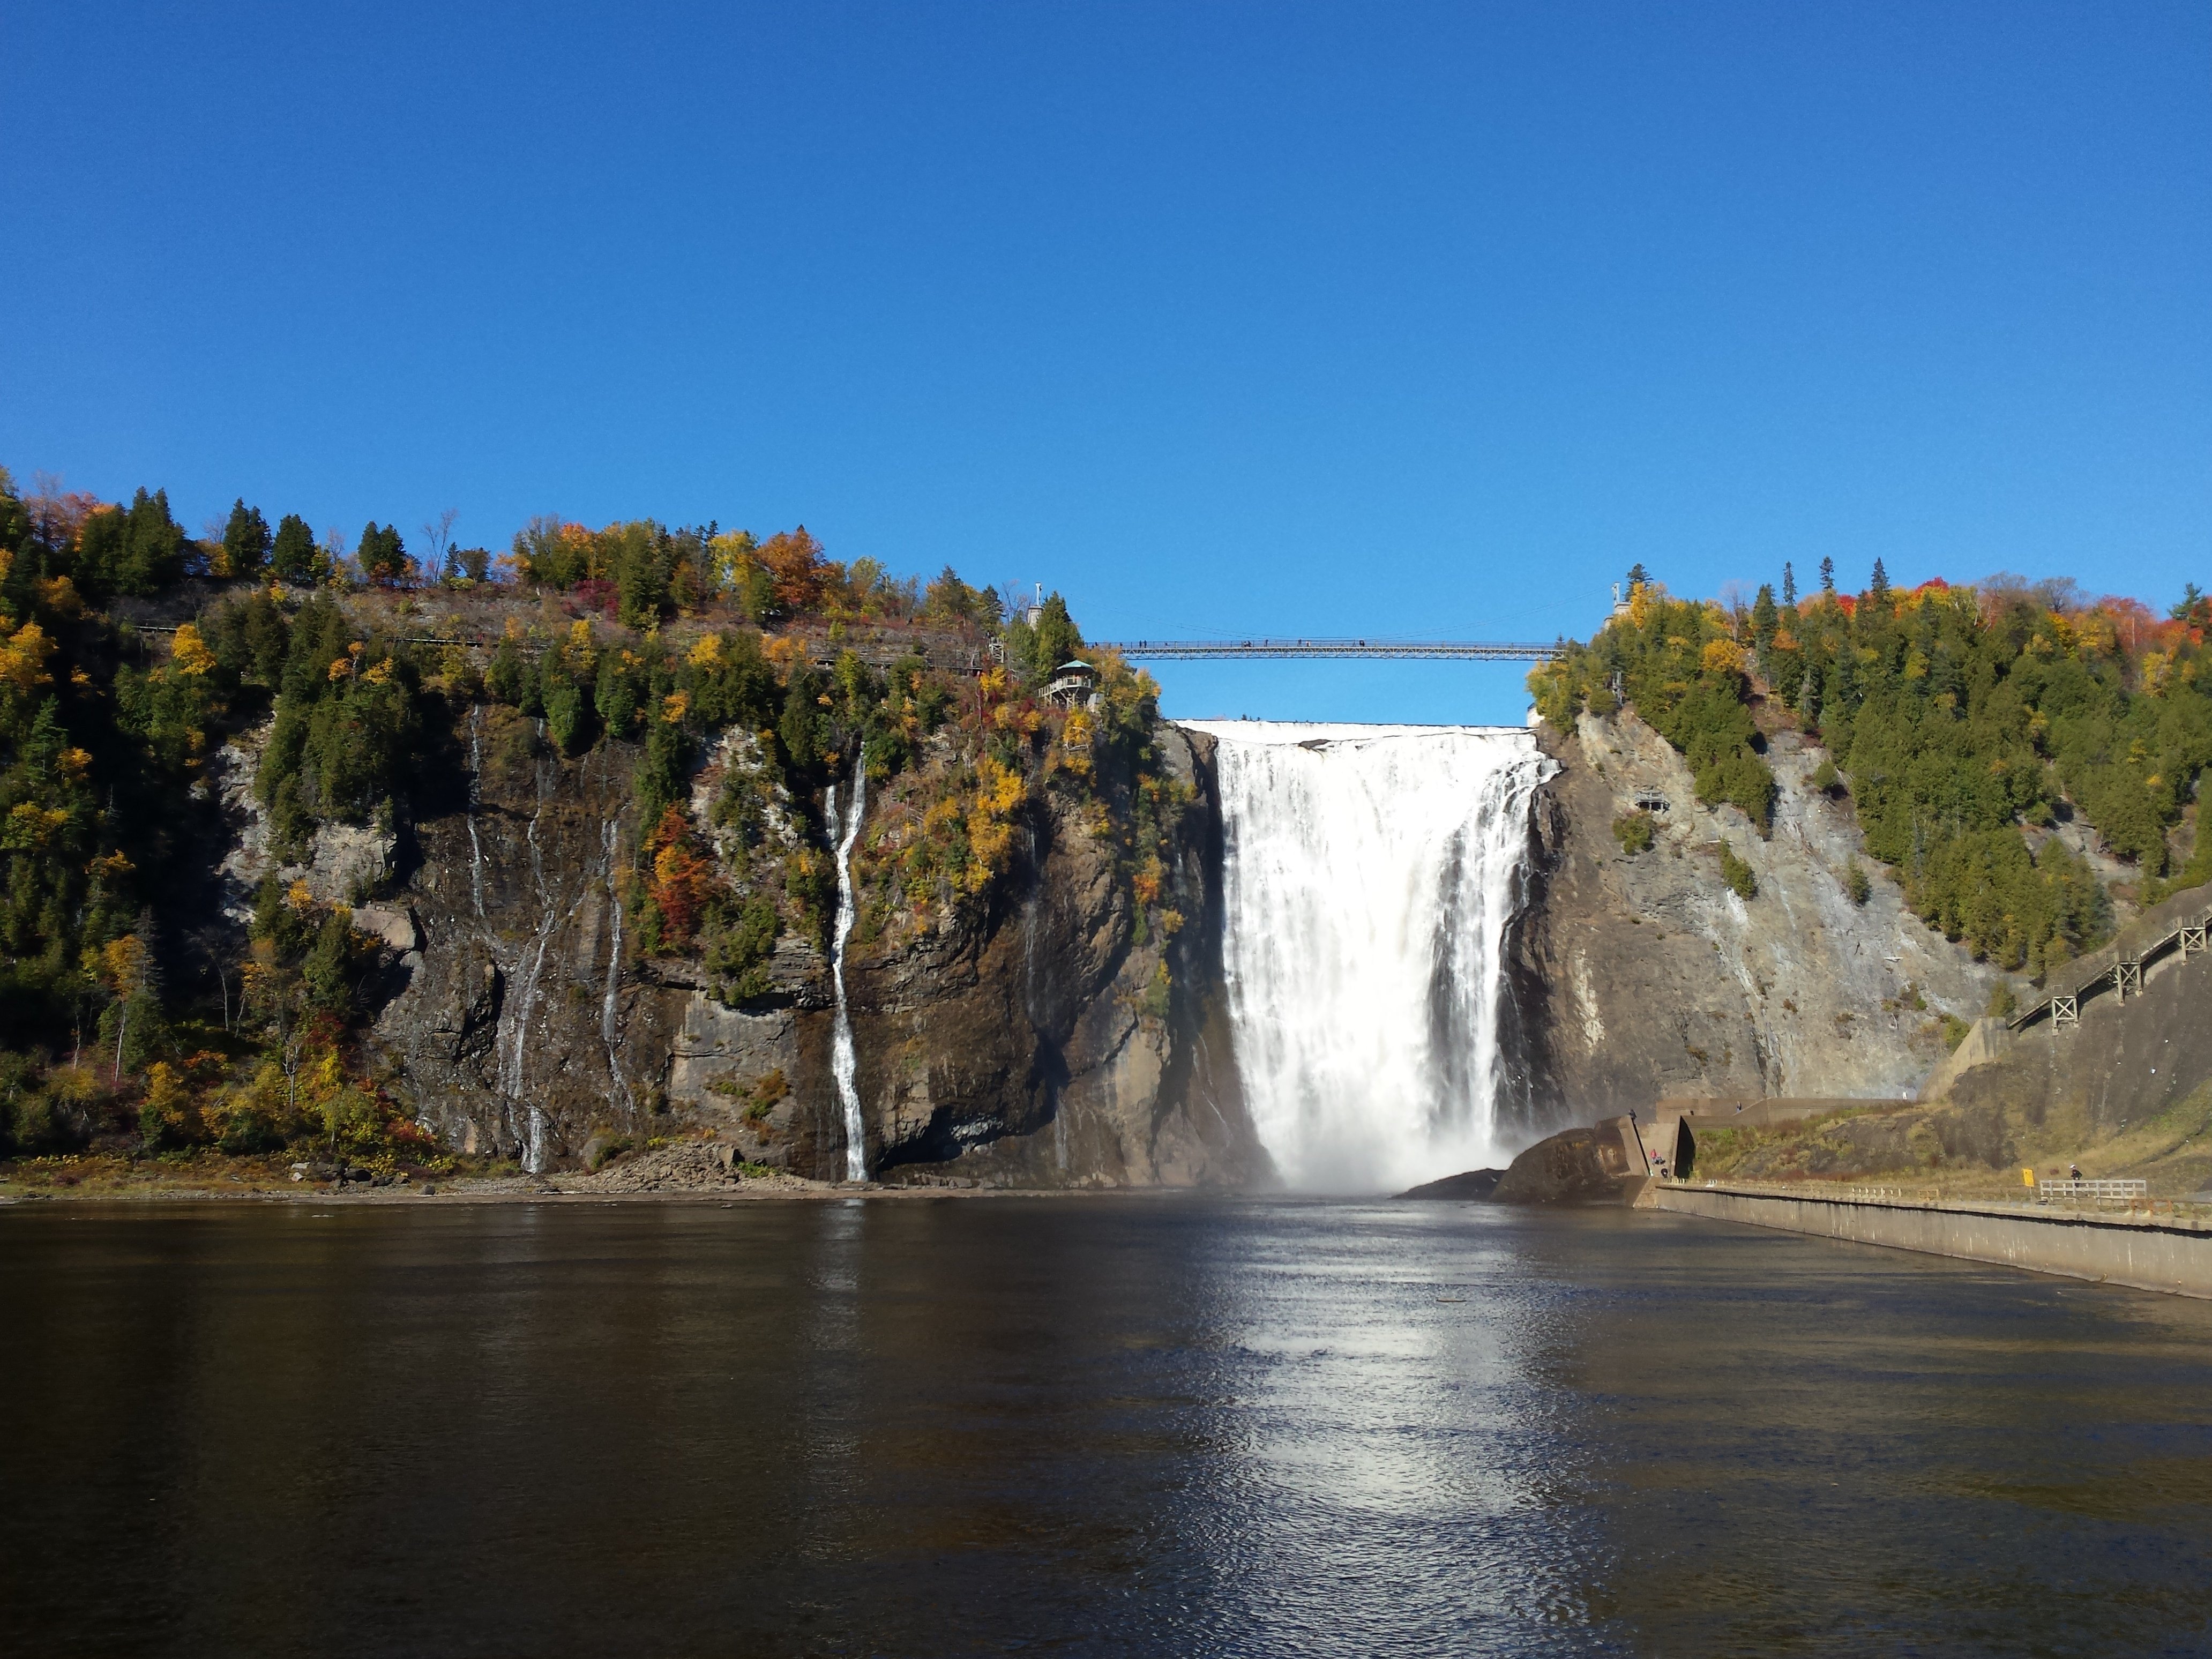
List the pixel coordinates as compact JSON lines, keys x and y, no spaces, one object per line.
{"x":2027,"y":1177}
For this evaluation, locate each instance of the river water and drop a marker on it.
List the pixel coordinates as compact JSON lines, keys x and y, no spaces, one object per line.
{"x":1075,"y":1426}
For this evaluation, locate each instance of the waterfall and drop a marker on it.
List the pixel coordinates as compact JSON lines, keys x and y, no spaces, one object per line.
{"x":1369,"y":875}
{"x":841,"y":1059}
{"x":610,"y":1005}
{"x":476,"y":799}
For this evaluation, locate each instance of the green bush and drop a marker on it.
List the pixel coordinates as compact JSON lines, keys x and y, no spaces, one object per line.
{"x":1634,"y":831}
{"x":739,"y":939}
{"x":1739,"y":875}
{"x":1856,"y":883}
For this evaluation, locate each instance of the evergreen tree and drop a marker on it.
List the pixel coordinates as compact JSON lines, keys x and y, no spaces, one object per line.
{"x":1788,"y":585}
{"x":1827,"y":575}
{"x":245,"y":540}
{"x":1879,"y":588}
{"x":382,"y":555}
{"x":1056,"y":639}
{"x":293,"y":556}
{"x":1638,"y":577}
{"x":1764,"y":618}
{"x":139,"y":549}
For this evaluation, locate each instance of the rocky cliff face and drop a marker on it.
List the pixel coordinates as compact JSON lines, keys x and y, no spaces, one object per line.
{"x":1054,"y":1036}
{"x":1048,"y":1039}
{"x":1638,"y":977}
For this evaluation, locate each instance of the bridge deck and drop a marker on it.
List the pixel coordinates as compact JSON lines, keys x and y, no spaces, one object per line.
{"x":1460,"y":650}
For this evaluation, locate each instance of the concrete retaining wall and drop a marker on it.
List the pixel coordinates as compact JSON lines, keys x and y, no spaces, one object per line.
{"x":2150,"y":1256}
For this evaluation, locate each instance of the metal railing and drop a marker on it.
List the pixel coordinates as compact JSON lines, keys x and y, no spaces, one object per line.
{"x":2133,"y":1193}
{"x":2112,"y":1191}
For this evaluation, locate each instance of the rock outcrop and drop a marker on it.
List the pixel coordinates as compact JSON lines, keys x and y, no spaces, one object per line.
{"x":1639,"y":975}
{"x":1047,"y":1040}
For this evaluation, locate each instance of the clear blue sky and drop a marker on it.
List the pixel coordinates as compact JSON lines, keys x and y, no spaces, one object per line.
{"x":1383,"y":319}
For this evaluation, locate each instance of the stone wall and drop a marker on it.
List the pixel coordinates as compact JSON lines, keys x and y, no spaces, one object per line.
{"x":2174,"y":1255}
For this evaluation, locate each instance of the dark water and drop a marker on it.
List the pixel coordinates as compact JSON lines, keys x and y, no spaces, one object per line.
{"x":1112,"y":1427}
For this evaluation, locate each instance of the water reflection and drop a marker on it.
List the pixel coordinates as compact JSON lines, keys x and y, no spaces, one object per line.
{"x":1118,"y":1426}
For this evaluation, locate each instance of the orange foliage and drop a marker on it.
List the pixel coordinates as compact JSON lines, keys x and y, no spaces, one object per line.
{"x":684,"y":879}
{"x":795,"y":563}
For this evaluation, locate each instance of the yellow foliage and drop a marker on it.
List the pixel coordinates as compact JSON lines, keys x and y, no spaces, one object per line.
{"x":58,"y":594}
{"x":579,"y":651}
{"x":999,"y":792}
{"x":2096,"y":631}
{"x":169,"y":1100}
{"x":708,"y":652}
{"x":674,"y":707}
{"x":377,"y":672}
{"x":123,"y":964}
{"x":668,"y":865}
{"x":29,"y":826}
{"x":23,"y":656}
{"x":340,"y":667}
{"x":1075,"y":743}
{"x":299,"y":895}
{"x":1723,"y":656}
{"x":75,"y":763}
{"x":1644,"y":599}
{"x":189,"y":653}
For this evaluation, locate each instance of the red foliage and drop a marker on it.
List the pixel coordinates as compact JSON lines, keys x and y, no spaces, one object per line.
{"x":595,"y":593}
{"x":684,"y":879}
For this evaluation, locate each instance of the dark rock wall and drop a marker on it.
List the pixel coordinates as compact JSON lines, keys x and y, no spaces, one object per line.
{"x":1034,"y":1045}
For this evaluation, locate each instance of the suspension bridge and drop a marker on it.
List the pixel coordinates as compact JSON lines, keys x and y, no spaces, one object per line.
{"x":1216,"y":650}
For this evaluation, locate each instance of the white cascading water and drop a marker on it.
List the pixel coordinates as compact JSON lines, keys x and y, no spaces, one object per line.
{"x":1369,"y":875}
{"x":841,"y":1059}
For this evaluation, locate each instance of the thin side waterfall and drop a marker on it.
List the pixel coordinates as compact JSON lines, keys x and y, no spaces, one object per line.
{"x":475,"y":797}
{"x":842,"y":1061}
{"x":610,"y":1005}
{"x":1370,"y":873}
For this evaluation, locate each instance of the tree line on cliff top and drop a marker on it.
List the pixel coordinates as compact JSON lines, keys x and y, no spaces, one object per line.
{"x":129,"y":1011}
{"x":1960,"y":722}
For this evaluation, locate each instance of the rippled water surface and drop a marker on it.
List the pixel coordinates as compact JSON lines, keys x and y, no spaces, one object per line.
{"x":1114,"y":1427}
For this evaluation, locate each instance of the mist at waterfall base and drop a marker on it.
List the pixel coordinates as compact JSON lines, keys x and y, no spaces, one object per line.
{"x":1369,"y":873}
